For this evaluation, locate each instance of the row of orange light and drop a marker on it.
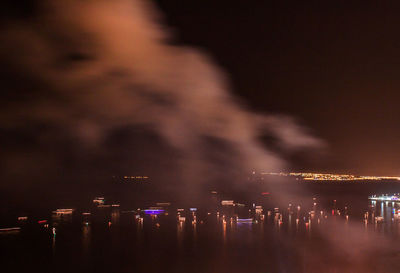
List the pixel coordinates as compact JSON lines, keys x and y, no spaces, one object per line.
{"x":335,"y":177}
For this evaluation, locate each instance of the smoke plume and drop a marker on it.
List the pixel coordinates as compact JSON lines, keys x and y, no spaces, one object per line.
{"x":84,"y":69}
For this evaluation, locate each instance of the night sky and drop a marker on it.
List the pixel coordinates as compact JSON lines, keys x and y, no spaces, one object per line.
{"x":333,"y":65}
{"x":84,"y":100}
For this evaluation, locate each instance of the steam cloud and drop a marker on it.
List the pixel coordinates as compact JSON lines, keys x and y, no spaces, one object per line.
{"x":109,"y":64}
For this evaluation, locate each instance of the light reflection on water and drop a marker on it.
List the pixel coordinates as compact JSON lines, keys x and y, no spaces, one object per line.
{"x":86,"y":238}
{"x":318,"y":239}
{"x":180,"y":233}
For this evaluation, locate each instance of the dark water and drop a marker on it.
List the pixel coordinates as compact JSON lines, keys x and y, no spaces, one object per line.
{"x":338,"y":239}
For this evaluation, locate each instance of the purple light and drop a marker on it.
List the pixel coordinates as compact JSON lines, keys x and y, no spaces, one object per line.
{"x":153,"y":211}
{"x":248,"y":220}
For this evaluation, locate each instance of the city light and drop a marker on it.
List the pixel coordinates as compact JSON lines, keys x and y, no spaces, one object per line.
{"x":13,"y":229}
{"x":99,"y":200}
{"x":153,"y":211}
{"x":333,"y":177}
{"x":227,"y":203}
{"x":394,"y":198}
{"x":244,"y":220}
{"x":63,"y":211}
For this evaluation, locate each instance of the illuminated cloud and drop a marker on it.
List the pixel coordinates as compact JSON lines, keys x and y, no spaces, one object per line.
{"x":109,"y":64}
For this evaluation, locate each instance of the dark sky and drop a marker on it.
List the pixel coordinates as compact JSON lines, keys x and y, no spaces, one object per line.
{"x":334,"y":66}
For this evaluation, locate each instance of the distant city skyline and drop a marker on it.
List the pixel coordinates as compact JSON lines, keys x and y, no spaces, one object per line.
{"x":332,"y":177}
